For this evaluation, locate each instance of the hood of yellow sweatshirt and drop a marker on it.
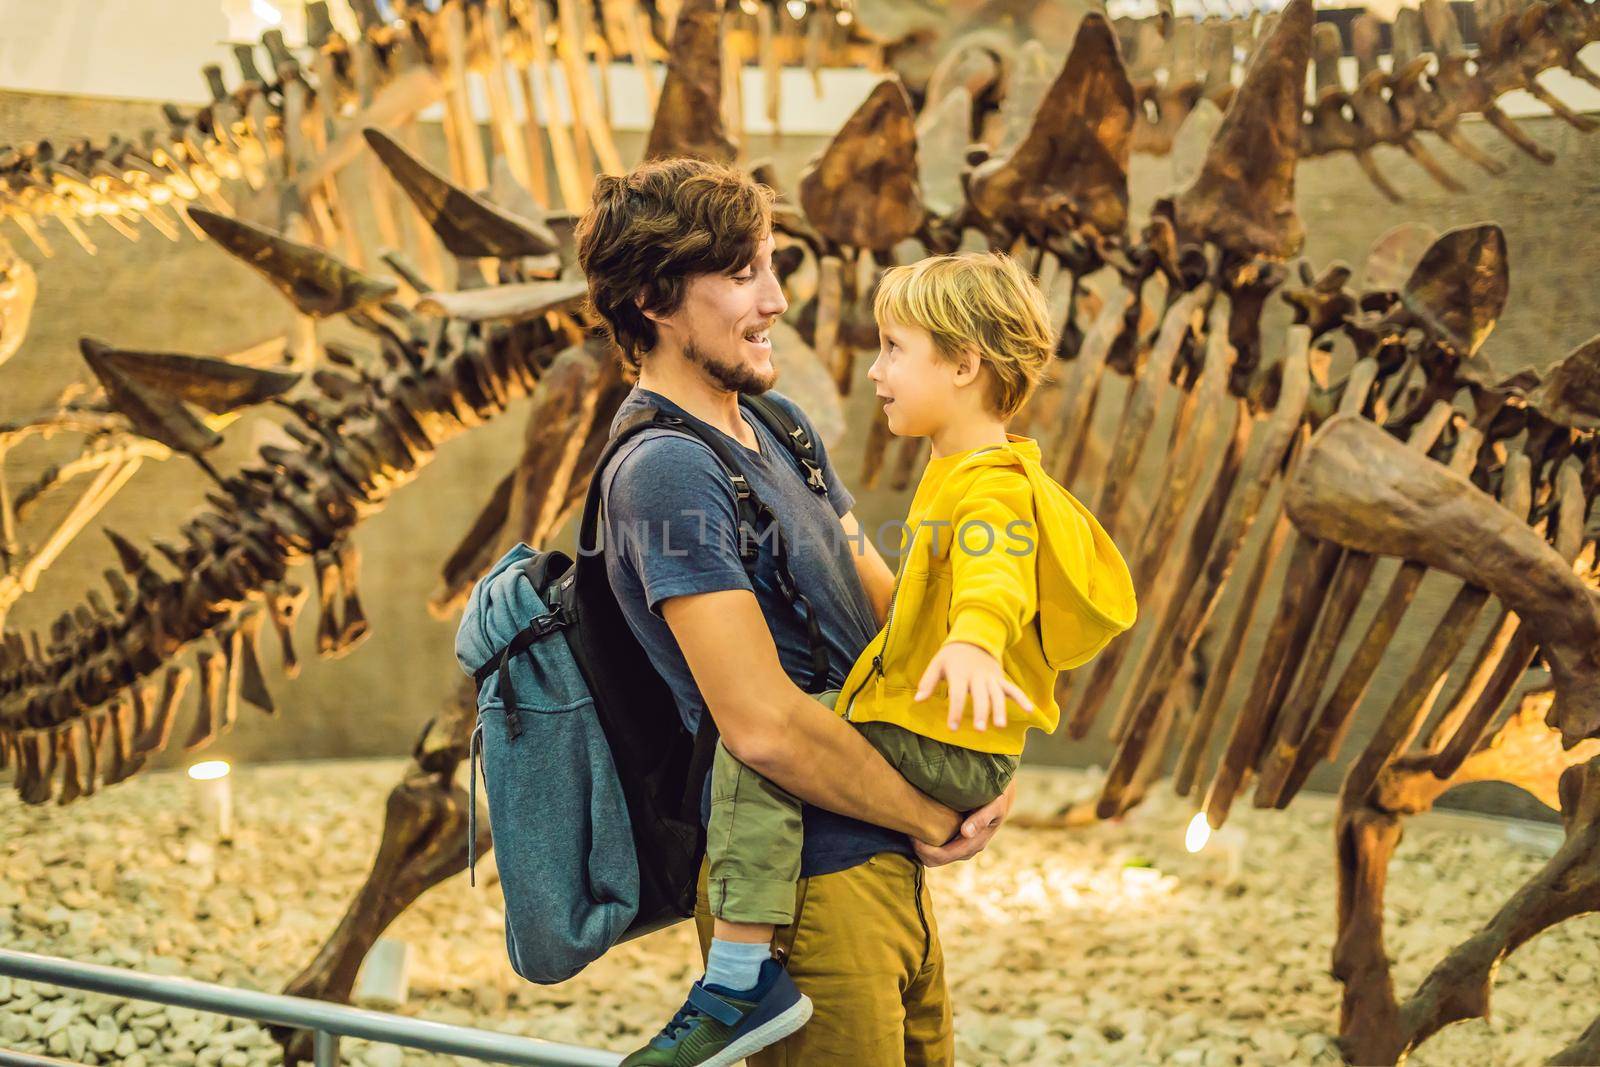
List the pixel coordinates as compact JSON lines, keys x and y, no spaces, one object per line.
{"x":1086,"y":594}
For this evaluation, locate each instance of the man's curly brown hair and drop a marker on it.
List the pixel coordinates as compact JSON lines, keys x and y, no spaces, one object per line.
{"x":651,"y":231}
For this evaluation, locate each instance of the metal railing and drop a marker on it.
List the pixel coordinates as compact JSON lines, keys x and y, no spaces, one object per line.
{"x":327,"y":1022}
{"x":29,"y":1059}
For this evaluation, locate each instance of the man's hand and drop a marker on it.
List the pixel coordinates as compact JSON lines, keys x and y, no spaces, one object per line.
{"x":975,"y":833}
{"x":970,"y":669}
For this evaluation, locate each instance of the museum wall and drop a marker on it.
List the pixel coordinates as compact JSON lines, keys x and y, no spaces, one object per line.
{"x":187,"y":296}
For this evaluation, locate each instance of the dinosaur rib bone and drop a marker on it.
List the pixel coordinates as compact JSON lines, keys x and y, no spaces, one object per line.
{"x":1362,"y":489}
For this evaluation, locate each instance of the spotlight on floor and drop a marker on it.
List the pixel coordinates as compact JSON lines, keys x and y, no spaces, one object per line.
{"x":1199,"y":832}
{"x":216,"y":794}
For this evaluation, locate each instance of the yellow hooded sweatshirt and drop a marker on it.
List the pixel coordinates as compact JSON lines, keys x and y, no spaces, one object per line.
{"x":1003,"y":557}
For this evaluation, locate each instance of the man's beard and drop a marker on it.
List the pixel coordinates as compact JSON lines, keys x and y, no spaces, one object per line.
{"x":734,"y":377}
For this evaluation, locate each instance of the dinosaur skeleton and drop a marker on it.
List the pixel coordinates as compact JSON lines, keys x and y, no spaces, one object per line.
{"x":1336,"y":470}
{"x":295,"y":125}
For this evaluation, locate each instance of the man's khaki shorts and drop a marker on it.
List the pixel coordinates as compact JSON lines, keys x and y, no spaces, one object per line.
{"x":864,"y":947}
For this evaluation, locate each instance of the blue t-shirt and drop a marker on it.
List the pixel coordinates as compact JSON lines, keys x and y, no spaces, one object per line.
{"x":671,"y":530}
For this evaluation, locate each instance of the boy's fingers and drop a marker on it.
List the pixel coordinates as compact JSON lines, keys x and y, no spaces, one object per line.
{"x":980,"y":707}
{"x":1017,"y":694}
{"x":998,"y":695}
{"x":929,"y":677}
{"x":958,"y":697}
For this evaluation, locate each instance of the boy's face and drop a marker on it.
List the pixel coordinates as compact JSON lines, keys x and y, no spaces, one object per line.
{"x":921,"y":389}
{"x":722,"y":326}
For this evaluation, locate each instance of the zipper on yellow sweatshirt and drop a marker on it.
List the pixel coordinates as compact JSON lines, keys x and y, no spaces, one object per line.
{"x":888,"y":624}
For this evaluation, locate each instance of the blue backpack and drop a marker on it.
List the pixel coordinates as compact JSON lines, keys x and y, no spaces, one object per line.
{"x":593,"y":782}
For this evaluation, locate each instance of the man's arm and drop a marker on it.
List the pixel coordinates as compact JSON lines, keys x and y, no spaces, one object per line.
{"x":778,"y":731}
{"x":876,"y":577}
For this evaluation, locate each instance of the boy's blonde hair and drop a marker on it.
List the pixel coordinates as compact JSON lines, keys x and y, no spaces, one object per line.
{"x":981,"y":300}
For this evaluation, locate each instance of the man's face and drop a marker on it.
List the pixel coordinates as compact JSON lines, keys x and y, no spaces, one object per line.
{"x":723,"y":324}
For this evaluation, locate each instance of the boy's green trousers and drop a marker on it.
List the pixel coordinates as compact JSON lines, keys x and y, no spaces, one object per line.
{"x":754,"y":837}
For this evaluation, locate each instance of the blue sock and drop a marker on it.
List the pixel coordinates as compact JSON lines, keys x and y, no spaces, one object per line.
{"x":735,"y":965}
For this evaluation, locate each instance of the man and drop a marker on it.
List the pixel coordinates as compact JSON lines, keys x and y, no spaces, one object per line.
{"x":678,"y":255}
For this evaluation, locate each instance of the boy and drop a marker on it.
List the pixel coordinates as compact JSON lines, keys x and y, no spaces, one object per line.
{"x":1004,"y":580}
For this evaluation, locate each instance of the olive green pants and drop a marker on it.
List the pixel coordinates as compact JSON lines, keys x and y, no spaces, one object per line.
{"x":754,"y":837}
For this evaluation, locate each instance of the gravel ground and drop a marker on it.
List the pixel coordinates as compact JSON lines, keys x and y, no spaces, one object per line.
{"x":1107,"y":945}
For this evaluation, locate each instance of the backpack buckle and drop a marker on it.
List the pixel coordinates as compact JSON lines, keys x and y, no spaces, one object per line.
{"x":814,"y":477}
{"x":741,"y":487}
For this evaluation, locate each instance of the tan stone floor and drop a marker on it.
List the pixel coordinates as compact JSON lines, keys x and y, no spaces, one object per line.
{"x":1110,"y":945}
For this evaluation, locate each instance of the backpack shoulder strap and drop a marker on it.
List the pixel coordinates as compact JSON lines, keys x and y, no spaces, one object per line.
{"x":747,"y":504}
{"x":794,"y":436}
{"x":751,"y":510}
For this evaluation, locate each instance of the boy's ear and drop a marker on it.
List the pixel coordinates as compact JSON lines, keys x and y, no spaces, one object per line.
{"x":970,"y":366}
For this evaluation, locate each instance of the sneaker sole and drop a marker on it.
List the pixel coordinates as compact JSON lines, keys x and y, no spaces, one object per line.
{"x":770,"y":1032}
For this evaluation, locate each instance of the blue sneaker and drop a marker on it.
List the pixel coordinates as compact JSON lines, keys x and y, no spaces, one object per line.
{"x":717,"y":1027}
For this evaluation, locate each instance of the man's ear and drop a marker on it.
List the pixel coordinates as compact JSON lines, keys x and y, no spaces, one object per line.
{"x":639,"y":302}
{"x":661,"y":319}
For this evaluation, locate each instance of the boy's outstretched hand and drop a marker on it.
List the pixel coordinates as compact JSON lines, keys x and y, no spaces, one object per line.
{"x":970,"y":669}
